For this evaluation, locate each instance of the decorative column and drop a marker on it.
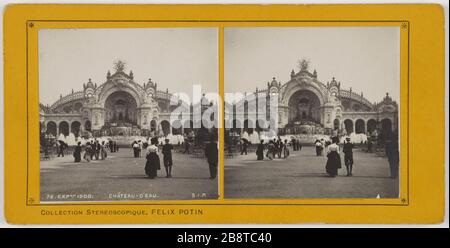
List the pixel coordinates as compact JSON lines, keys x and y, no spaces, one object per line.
{"x":145,"y":119}
{"x":353,"y":125}
{"x":98,"y":118}
{"x":367,"y":125}
{"x":283,"y":116}
{"x":327,"y":120}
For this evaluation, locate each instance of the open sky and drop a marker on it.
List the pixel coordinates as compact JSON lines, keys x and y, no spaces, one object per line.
{"x":364,"y":58}
{"x":174,"y":58}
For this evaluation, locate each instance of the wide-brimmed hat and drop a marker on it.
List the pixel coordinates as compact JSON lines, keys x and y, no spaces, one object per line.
{"x":154,"y":140}
{"x":335,"y":139}
{"x":348,"y":138}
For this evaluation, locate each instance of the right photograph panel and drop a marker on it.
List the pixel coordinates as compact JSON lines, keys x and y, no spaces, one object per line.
{"x":312,"y":112}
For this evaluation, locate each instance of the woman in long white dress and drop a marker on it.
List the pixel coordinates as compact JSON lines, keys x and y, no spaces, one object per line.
{"x":334,"y":158}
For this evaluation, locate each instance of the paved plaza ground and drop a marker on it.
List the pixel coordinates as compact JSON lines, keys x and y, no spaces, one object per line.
{"x":122,"y":177}
{"x":303,"y":175}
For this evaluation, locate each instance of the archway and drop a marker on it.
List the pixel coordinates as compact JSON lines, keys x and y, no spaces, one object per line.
{"x":386,"y":126}
{"x":75,"y":128}
{"x":51,"y":128}
{"x":87,"y":125}
{"x":348,"y":126}
{"x":304,"y":106}
{"x":165,"y":125}
{"x":336,"y":124}
{"x":120,"y":107}
{"x":371,"y":125}
{"x":360,"y":126}
{"x":64,"y":128}
{"x":152,"y":125}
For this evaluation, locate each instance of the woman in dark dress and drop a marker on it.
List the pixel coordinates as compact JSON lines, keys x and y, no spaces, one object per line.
{"x":260,"y":151}
{"x":87,"y":152}
{"x":285,"y":149}
{"x":77,"y":153}
{"x":270,"y":150}
{"x":135,"y":146}
{"x":153,"y":163}
{"x":334,"y":159}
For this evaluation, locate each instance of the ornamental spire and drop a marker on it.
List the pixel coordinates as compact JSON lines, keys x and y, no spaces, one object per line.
{"x":131,"y":74}
{"x":119,"y":65}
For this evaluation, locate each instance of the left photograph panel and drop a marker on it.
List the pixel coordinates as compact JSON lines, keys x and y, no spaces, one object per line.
{"x":122,"y":114}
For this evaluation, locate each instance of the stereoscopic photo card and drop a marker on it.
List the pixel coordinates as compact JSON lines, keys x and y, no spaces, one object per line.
{"x":224,"y":114}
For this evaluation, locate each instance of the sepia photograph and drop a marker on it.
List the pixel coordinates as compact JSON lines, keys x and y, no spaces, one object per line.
{"x":224,"y":114}
{"x":312,"y":112}
{"x":121,"y":113}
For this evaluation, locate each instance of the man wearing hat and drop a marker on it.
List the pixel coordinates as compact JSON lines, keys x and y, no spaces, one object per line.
{"x":392,"y":152}
{"x":167,"y":152}
{"x":212,"y":155}
{"x":348,"y":156}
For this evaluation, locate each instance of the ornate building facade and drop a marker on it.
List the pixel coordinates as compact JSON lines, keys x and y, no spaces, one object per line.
{"x":117,"y":107}
{"x":308,"y":106}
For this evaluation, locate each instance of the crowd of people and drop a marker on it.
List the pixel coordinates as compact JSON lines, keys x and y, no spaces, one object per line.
{"x":98,"y":150}
{"x":94,"y":149}
{"x":332,"y":149}
{"x":275,"y":147}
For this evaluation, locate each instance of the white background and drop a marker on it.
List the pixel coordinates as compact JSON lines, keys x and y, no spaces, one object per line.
{"x":444,"y":3}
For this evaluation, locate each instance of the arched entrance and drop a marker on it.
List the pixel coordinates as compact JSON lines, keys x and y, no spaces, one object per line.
{"x":165,"y":125}
{"x":153,"y":126}
{"x":64,"y":128}
{"x":386,"y":126}
{"x":120,"y":109}
{"x":336,"y":124}
{"x":51,"y":128}
{"x":371,"y":125}
{"x":75,"y":128}
{"x":87,"y":125}
{"x":348,"y":126}
{"x":360,"y":126}
{"x":304,"y":106}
